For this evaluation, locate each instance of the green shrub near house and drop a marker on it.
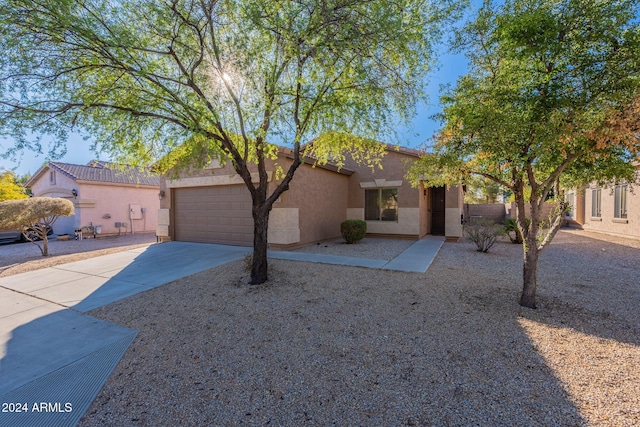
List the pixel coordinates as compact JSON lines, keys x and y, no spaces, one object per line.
{"x":353,"y":230}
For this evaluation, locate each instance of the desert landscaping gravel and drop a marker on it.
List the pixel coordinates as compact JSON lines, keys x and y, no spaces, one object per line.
{"x":327,"y":345}
{"x":371,"y":247}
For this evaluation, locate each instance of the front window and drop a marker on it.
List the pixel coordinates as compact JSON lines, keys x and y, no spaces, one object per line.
{"x":596,"y":197}
{"x":620,"y":201}
{"x":381,"y":204}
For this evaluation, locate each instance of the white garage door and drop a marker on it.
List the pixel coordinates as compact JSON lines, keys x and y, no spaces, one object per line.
{"x":217,"y":214}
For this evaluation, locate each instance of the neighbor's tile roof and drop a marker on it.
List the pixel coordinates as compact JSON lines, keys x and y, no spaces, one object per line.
{"x":98,"y":171}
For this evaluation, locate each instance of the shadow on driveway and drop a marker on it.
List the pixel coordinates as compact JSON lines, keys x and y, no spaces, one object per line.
{"x":54,"y":359}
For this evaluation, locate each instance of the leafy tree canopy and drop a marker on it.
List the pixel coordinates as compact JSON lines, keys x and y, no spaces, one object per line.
{"x":216,"y":79}
{"x":551,"y":95}
{"x":10,"y":188}
{"x":481,"y":190}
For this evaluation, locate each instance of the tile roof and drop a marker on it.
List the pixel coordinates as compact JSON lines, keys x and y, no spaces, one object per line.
{"x":98,"y":171}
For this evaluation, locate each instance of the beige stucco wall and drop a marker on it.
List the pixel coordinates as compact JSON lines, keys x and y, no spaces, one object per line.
{"x":425,"y":209}
{"x":284,"y":226}
{"x":579,"y":213}
{"x":395,"y":168}
{"x":607,"y":223}
{"x":454,"y":201}
{"x":321,"y":199}
{"x":408,"y":222}
{"x":311,"y":210}
{"x":392,"y":175}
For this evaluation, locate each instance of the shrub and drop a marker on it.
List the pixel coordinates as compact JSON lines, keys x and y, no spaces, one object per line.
{"x":34,"y":217}
{"x":248,"y":262}
{"x":353,"y":230}
{"x":483,"y":233}
{"x":510,"y":227}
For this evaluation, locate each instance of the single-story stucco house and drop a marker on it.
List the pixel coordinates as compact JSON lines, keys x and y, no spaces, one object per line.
{"x":115,"y":199}
{"x":611,"y":210}
{"x":213,"y":204}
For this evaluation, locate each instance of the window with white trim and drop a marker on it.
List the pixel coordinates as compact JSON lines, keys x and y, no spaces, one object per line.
{"x":381,"y":204}
{"x":596,"y":203}
{"x":52,"y":177}
{"x":620,"y":202}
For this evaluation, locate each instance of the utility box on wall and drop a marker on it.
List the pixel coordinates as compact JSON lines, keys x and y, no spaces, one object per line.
{"x":135,"y":212}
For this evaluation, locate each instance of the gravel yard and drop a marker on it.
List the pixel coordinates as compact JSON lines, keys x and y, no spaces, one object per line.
{"x":331,"y":345}
{"x":370,"y":247}
{"x":20,"y":257}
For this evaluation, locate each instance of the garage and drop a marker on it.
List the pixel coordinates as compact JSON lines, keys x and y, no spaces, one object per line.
{"x":214,"y":214}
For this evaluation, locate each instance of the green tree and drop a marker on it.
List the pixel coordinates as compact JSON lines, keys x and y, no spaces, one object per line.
{"x":33,"y":217}
{"x":549,"y":84}
{"x":188,"y":81}
{"x":22,"y":180}
{"x":10,"y":188}
{"x":481,"y":190}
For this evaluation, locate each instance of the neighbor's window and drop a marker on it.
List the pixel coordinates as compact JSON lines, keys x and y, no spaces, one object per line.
{"x":381,"y":204}
{"x":620,"y":201}
{"x":52,"y":177}
{"x":596,"y":202}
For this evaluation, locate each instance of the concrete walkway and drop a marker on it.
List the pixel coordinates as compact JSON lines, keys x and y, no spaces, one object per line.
{"x":55,"y":359}
{"x":415,"y":259}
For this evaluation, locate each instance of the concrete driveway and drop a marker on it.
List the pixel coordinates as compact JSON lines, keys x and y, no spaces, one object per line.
{"x":53,"y":358}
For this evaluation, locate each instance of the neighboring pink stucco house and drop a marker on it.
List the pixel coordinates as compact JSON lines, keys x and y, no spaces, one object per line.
{"x":116,"y":199}
{"x":213,"y":204}
{"x":610,"y":210}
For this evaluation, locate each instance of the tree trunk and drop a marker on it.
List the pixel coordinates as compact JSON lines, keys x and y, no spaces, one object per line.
{"x":45,"y":244}
{"x":529,"y":270}
{"x":260,"y":228}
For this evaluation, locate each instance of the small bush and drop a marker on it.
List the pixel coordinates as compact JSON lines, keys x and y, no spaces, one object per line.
{"x":248,"y":262}
{"x":510,"y":227}
{"x":353,"y":230}
{"x":483,"y":233}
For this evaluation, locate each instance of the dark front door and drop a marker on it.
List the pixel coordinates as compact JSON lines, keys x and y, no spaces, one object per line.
{"x":437,"y":211}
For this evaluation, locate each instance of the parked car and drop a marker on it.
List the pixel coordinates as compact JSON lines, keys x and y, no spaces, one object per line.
{"x":10,"y":236}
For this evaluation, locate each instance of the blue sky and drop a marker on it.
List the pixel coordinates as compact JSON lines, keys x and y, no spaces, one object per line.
{"x":447,"y":71}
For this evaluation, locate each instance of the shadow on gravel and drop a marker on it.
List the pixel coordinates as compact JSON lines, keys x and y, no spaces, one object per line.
{"x":590,"y":286}
{"x":324,"y":344}
{"x":317,"y":346}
